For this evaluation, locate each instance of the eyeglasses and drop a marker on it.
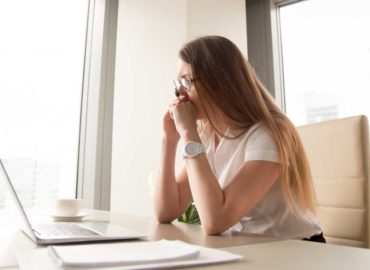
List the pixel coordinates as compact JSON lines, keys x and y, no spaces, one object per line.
{"x":185,"y":82}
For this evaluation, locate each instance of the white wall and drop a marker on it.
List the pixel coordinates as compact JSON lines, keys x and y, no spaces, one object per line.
{"x":149,"y":35}
{"x":218,"y":17}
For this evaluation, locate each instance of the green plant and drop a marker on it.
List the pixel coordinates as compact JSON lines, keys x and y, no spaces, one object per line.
{"x":190,"y":216}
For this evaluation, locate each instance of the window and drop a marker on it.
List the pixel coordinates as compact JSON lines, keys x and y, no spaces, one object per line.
{"x":42,"y":60}
{"x":326,"y":59}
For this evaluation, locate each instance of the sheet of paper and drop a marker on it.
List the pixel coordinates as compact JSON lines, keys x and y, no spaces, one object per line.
{"x":39,"y":259}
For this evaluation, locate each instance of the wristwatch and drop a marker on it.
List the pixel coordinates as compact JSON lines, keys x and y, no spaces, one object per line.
{"x":192,"y":149}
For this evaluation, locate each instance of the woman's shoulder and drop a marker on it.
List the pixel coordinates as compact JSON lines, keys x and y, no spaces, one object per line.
{"x":259,"y":136}
{"x":260,"y":145}
{"x":255,"y":131}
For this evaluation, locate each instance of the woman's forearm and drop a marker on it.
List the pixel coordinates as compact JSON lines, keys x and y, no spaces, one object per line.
{"x":207,"y":193}
{"x":166,"y":195}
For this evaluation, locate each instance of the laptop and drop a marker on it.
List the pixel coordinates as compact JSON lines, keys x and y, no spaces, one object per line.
{"x":65,"y":232}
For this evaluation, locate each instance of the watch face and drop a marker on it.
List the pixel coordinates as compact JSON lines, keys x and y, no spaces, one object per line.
{"x":191,"y":149}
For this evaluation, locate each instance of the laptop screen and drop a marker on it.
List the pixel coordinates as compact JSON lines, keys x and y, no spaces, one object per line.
{"x":25,"y":223}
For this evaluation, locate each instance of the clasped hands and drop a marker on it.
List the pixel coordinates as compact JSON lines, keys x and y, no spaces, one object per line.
{"x":180,"y":120}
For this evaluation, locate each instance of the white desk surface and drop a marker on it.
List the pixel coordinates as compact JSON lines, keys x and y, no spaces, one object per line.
{"x":297,"y":254}
{"x":260,"y":252}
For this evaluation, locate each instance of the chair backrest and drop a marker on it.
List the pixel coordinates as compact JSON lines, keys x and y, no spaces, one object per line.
{"x":338,"y":153}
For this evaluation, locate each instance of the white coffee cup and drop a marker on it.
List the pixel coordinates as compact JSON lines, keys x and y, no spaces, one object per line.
{"x":67,"y":207}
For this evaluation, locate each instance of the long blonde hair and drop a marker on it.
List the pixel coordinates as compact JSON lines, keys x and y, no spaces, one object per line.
{"x":227,"y":82}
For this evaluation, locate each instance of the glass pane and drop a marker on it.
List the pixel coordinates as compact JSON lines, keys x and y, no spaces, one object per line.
{"x":326,"y":59}
{"x":42,"y":56}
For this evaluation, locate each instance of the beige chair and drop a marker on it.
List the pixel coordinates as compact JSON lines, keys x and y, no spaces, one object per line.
{"x":338,"y":153}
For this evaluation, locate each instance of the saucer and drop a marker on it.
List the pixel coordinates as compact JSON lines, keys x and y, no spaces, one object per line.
{"x":75,"y":218}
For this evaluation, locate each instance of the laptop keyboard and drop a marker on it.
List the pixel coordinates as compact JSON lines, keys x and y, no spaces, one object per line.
{"x":62,"y":229}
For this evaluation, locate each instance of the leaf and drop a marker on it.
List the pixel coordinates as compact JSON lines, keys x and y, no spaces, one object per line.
{"x":190,"y":216}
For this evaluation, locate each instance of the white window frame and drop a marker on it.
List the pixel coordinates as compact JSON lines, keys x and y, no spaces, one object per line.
{"x":264,"y":44}
{"x":95,"y":143}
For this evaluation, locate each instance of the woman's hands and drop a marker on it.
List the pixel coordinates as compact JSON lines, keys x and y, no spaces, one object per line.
{"x":183,"y":113}
{"x":180,"y":119}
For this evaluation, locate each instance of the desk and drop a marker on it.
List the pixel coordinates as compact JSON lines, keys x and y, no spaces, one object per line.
{"x":297,"y":254}
{"x":12,"y":239}
{"x":260,"y":252}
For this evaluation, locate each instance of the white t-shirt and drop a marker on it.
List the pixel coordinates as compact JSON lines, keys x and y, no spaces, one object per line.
{"x":271,"y":216}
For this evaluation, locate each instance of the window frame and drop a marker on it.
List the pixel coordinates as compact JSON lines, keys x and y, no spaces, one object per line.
{"x":95,"y":141}
{"x":264,"y":44}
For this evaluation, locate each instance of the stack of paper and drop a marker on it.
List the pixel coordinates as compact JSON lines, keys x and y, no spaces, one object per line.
{"x":127,"y":255}
{"x":100,"y":255}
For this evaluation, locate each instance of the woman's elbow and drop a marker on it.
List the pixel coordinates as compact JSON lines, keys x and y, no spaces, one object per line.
{"x":213,"y":228}
{"x":163,"y":217}
{"x":164,"y":220}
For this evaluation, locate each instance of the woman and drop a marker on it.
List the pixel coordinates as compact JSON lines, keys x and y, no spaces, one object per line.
{"x":244,"y":164}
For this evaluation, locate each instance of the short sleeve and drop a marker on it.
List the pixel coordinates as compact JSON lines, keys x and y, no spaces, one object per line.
{"x":261,"y":146}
